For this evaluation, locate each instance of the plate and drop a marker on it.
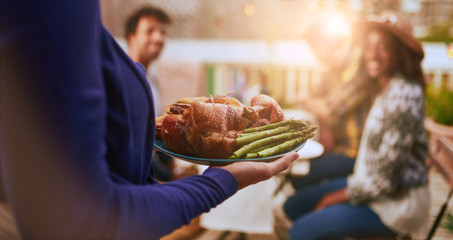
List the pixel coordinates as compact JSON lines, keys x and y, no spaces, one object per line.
{"x":160,"y":146}
{"x":312,"y":149}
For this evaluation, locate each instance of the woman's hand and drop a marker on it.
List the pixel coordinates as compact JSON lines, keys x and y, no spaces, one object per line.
{"x":332,"y":198}
{"x":249,"y":172}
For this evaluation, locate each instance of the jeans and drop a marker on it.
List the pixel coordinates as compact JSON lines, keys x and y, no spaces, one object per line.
{"x":334,"y":222}
{"x":325,"y":167}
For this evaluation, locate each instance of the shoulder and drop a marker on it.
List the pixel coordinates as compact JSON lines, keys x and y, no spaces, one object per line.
{"x":404,"y":97}
{"x":400,"y":87}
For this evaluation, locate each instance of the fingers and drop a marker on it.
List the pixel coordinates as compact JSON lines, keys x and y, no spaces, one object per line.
{"x":283,"y":163}
{"x":248,"y":173}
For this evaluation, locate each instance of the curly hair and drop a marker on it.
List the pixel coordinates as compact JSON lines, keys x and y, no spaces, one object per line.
{"x":133,"y":19}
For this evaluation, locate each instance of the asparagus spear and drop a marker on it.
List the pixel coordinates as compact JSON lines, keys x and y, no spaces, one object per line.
{"x":295,"y":123}
{"x":241,"y":140}
{"x":268,"y":130}
{"x":245,"y":134}
{"x":251,"y":155}
{"x":254,"y":154}
{"x":267,"y":146}
{"x":284,"y":147}
{"x":284,"y":136}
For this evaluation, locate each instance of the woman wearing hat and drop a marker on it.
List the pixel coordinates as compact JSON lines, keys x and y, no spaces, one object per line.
{"x":387,"y":194}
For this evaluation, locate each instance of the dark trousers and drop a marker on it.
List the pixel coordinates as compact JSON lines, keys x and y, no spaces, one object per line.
{"x":325,"y":167}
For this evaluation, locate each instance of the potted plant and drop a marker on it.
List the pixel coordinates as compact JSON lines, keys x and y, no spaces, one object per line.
{"x":439,"y":119}
{"x":439,"y":106}
{"x":439,"y":112}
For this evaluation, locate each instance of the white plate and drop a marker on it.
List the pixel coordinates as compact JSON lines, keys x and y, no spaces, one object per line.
{"x":311,"y":149}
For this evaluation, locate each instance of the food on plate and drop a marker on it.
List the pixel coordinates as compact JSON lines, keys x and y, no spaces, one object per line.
{"x":272,"y":139}
{"x":222,"y":127}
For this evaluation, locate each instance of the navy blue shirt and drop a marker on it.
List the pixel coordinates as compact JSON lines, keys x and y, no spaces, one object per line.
{"x":77,"y":131}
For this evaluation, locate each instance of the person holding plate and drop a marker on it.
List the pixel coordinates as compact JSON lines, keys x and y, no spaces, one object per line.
{"x":77,"y":132}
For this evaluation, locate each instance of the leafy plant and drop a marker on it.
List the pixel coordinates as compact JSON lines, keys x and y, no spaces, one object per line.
{"x":439,"y":33}
{"x":439,"y":105}
{"x":448,"y":222}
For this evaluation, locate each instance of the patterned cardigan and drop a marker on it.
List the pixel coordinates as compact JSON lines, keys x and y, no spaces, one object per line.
{"x":393,"y":147}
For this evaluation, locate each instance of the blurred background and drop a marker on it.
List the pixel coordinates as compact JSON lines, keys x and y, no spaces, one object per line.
{"x":253,"y":46}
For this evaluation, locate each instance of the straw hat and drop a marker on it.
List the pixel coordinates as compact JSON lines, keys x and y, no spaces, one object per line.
{"x":394,"y":24}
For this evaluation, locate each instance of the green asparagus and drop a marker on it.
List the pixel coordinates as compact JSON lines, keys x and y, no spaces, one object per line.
{"x":267,"y":140}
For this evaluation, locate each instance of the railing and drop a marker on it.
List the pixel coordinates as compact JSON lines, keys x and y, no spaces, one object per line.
{"x":286,"y":84}
{"x":440,"y":78}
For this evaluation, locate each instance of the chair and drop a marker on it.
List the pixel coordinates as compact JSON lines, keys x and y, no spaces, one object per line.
{"x":440,"y":156}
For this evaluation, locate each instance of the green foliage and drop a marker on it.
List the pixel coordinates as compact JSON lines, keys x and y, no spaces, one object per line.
{"x":439,"y":105}
{"x":438,"y":34}
{"x":448,"y":222}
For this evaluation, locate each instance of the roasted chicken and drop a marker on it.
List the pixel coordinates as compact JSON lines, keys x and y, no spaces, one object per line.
{"x":208,"y":127}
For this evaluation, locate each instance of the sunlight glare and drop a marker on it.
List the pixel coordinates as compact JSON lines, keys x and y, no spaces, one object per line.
{"x":337,"y":25}
{"x":249,"y":10}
